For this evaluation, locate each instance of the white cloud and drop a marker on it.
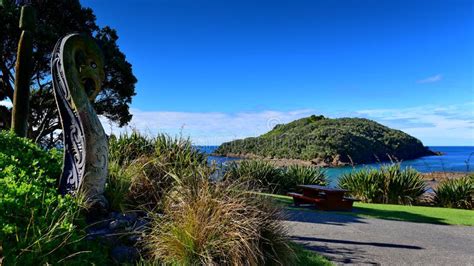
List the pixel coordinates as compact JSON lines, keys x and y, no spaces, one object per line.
{"x":431,"y":79}
{"x":434,"y":125}
{"x":207,"y":128}
{"x":6,"y":103}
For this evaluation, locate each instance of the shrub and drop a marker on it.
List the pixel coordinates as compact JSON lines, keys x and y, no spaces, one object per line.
{"x":269,"y":178}
{"x":366,"y":184}
{"x":303,"y":175}
{"x":404,"y":186}
{"x":140,"y":176}
{"x":129,"y":147}
{"x":195,"y":221}
{"x":259,"y":174}
{"x":118,"y":185}
{"x":206,"y":223}
{"x":456,"y":193}
{"x":389,"y":184}
{"x":37,"y":226}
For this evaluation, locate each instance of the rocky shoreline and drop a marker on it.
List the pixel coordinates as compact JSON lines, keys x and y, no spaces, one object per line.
{"x":434,"y":178}
{"x":283,"y":162}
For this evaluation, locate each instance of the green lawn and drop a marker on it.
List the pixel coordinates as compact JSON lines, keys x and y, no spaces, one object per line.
{"x":309,"y":258}
{"x":419,"y":214}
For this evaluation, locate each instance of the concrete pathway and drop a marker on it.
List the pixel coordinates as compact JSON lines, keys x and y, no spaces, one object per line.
{"x":347,"y":239}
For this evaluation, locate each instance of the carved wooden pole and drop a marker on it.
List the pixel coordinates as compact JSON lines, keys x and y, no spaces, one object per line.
{"x":23,"y":70}
{"x":77,"y":68}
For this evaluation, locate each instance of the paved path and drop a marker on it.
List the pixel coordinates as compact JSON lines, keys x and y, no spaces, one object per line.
{"x":347,"y":239}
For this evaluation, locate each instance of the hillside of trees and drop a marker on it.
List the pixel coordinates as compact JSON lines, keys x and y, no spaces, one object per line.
{"x":329,"y":142}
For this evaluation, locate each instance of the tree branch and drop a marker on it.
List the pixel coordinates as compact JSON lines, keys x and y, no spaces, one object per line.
{"x":6,"y":82}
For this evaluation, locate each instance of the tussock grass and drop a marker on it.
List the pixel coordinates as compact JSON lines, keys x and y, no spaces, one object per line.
{"x":456,"y":193}
{"x":259,"y":174}
{"x":269,"y":178}
{"x":206,"y":223}
{"x":194,"y":221}
{"x":389,"y":184}
{"x":304,"y":175}
{"x":143,"y":169}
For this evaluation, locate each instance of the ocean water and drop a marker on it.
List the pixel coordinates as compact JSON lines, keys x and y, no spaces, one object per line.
{"x":454,"y":159}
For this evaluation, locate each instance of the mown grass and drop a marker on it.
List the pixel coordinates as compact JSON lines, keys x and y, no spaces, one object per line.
{"x":309,"y":258}
{"x":418,"y":214}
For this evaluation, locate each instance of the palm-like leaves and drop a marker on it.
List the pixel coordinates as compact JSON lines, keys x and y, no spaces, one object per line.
{"x":456,"y":193}
{"x":390,"y":184}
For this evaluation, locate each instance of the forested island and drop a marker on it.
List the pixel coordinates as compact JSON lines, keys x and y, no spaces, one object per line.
{"x":323,"y":141}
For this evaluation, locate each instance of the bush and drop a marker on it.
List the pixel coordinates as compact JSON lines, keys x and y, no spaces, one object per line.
{"x":366,"y":185}
{"x":37,"y":226}
{"x":117,"y":187}
{"x":129,"y":147}
{"x":143,"y":169}
{"x":206,"y":223}
{"x":195,"y":221}
{"x":269,"y":178}
{"x":389,"y":184}
{"x":303,"y":175}
{"x":456,"y":193}
{"x":259,"y":174}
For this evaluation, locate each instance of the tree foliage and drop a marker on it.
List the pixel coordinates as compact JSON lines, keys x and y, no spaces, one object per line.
{"x":56,"y":18}
{"x":330,"y":141}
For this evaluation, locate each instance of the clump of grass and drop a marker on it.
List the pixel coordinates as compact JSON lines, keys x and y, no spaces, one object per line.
{"x":456,"y":193}
{"x":405,"y":186}
{"x":143,"y":169}
{"x":389,"y":184}
{"x":272,"y":179}
{"x":118,"y":184}
{"x":303,"y":175}
{"x":195,"y":221}
{"x":366,"y":184}
{"x":258,"y":173}
{"x":206,"y":223}
{"x":129,"y":147}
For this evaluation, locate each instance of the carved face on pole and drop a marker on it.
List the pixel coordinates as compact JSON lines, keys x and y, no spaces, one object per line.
{"x":91,"y":70}
{"x":85,"y":55}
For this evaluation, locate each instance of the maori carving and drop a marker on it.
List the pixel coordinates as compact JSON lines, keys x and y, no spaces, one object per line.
{"x":77,"y":72}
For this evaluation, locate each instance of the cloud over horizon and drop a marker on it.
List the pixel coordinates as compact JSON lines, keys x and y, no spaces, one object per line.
{"x":434,"y":125}
{"x":208,"y":128}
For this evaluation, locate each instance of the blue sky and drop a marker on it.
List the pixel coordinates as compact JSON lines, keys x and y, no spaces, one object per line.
{"x":218,"y":70}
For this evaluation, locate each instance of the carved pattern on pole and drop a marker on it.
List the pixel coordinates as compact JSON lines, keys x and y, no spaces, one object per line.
{"x":77,"y":72}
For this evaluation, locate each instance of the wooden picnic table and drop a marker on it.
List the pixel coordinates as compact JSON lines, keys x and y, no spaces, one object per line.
{"x":324,"y":198}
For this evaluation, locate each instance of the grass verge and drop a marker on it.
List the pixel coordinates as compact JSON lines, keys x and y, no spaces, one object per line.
{"x":418,"y":214}
{"x":308,"y":257}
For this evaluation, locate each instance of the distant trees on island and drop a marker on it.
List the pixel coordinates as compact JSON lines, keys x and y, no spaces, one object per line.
{"x":329,"y":142}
